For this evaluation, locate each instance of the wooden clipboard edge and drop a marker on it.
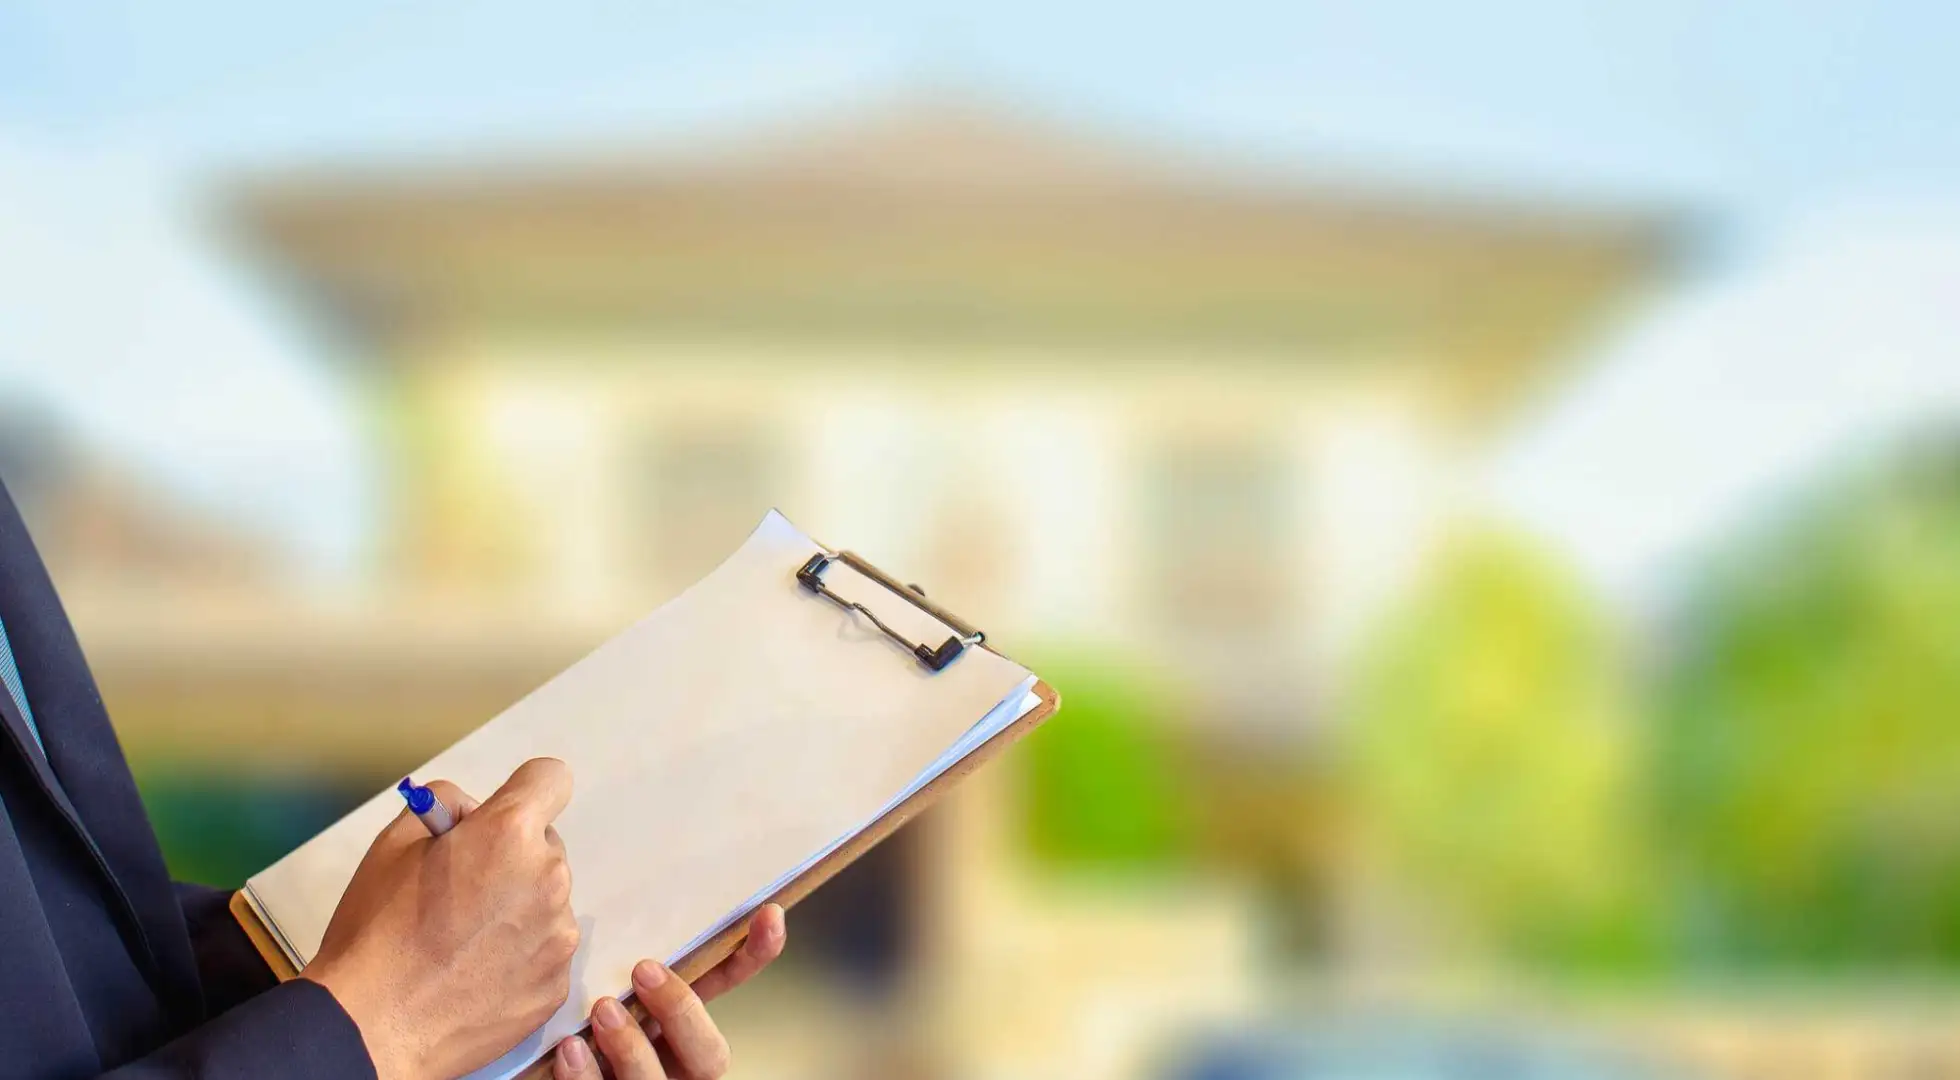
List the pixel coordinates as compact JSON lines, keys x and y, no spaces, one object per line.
{"x":269,"y":950}
{"x":703,"y":959}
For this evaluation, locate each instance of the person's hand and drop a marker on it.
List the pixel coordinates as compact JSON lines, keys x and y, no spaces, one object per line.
{"x":678,"y":1040}
{"x":448,"y":951}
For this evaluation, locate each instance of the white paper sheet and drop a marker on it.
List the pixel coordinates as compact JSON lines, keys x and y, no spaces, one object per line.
{"x":718,"y":747}
{"x":992,"y":724}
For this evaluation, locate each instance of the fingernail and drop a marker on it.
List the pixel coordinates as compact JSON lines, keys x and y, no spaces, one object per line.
{"x":609,"y":1014}
{"x":573,"y":1055}
{"x":648,"y":975}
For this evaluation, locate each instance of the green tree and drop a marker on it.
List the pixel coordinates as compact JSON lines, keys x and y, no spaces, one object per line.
{"x":1490,"y":740}
{"x":1807,"y":749}
{"x":1103,"y":786}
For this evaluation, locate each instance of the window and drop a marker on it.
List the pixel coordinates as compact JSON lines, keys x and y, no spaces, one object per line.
{"x":700,"y":492}
{"x":1217,"y":537}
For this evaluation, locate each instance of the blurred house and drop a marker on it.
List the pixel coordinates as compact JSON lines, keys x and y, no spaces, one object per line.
{"x":1083,"y":391}
{"x":1091,"y":395}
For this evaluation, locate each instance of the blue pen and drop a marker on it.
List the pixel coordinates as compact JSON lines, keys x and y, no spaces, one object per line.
{"x":423,"y":804}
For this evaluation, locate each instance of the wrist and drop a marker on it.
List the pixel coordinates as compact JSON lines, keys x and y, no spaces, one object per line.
{"x":368,"y":1002}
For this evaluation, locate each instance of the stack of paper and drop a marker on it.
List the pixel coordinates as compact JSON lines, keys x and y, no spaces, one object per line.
{"x":719,"y":748}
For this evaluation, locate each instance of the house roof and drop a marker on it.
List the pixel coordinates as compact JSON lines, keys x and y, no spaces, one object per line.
{"x":937,"y":219}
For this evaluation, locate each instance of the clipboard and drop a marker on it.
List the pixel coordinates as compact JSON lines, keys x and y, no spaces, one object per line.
{"x":934,"y":658}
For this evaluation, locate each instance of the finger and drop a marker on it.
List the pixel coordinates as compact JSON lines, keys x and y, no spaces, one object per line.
{"x":538,"y":791}
{"x":768,"y":933}
{"x":626,"y":1047}
{"x":574,"y":1061}
{"x":456,"y":799}
{"x":404,"y":830}
{"x":700,"y":1052}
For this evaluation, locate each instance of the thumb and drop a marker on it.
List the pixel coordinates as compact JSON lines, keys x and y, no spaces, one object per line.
{"x":537,"y":791}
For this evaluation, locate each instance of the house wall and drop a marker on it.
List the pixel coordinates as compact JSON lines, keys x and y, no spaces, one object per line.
{"x":1202,"y":504}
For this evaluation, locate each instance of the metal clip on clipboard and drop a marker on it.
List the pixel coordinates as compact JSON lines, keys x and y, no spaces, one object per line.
{"x":811,"y":578}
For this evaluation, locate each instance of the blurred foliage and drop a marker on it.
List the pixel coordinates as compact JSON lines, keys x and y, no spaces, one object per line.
{"x":220,"y":828}
{"x":1491,"y":752}
{"x":1105,"y":790}
{"x":1780,"y":795}
{"x":1806,"y":764}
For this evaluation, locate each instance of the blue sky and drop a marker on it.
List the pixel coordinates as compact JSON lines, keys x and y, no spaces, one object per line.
{"x":1751,"y":100}
{"x":114,"y":117}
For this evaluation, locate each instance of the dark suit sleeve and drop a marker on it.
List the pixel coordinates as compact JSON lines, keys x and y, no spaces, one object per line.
{"x":263,"y":1028}
{"x":295,"y":1031}
{"x":228,"y":965}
